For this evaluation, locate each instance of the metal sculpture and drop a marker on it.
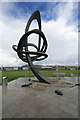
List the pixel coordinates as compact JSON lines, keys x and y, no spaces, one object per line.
{"x":23,"y":51}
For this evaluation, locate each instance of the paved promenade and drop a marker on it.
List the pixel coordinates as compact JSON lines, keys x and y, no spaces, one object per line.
{"x":40,"y":100}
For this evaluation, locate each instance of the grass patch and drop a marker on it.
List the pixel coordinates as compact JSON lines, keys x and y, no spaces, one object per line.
{"x":48,"y":73}
{"x":70,"y":71}
{"x":16,"y":74}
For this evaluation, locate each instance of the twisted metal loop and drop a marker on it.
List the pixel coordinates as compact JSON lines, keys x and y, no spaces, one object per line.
{"x":22,"y":48}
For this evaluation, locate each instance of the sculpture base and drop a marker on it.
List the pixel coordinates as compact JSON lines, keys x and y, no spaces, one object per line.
{"x":26,"y":85}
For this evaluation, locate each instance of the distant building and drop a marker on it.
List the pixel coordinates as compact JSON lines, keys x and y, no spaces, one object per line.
{"x":10,"y":68}
{"x":40,"y":67}
{"x":26,"y":67}
{"x":46,"y":68}
{"x":7,"y":68}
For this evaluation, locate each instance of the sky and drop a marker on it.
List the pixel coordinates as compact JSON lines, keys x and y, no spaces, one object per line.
{"x":59,"y":25}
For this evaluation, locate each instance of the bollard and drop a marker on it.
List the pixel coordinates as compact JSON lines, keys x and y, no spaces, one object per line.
{"x":4,"y":80}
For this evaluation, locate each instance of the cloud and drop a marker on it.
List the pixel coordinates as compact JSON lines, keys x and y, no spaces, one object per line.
{"x":62,"y":38}
{"x":8,"y":59}
{"x":63,"y":43}
{"x":10,"y":33}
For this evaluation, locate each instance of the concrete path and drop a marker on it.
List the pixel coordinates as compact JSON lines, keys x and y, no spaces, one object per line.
{"x":39,"y":100}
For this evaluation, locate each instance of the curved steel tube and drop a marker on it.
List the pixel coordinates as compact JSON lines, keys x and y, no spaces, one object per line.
{"x":24,"y":53}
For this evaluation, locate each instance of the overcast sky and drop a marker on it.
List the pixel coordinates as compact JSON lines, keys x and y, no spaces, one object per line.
{"x":59,"y":24}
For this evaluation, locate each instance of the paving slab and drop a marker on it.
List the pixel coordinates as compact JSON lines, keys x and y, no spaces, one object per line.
{"x":39,"y":100}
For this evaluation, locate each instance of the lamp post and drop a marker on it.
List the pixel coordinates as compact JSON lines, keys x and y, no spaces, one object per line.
{"x":57,"y":71}
{"x":78,"y":73}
